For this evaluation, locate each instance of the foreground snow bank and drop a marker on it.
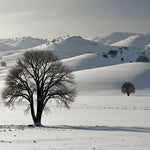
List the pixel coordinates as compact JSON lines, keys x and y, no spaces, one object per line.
{"x":93,"y":122}
{"x":72,"y":139}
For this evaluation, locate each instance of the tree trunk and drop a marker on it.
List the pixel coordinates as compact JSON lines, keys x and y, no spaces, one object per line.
{"x":39,"y":106}
{"x":32,"y":112}
{"x":39,"y":114}
{"x":38,"y":118}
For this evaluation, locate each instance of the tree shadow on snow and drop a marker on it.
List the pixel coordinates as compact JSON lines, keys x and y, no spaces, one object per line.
{"x":84,"y":128}
{"x":103,"y":128}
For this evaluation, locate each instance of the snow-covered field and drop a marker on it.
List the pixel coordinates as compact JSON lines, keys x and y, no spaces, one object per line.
{"x":101,"y":118}
{"x":93,"y":122}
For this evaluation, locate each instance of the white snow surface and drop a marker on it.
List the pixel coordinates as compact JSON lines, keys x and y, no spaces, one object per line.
{"x":135,"y":41}
{"x":96,"y":60}
{"x":111,"y":38}
{"x":108,"y":80}
{"x":20,"y":43}
{"x":101,"y":118}
{"x":73,"y":46}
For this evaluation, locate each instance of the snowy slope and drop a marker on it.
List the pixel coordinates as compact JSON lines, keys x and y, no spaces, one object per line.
{"x":81,"y":54}
{"x":20,"y":43}
{"x":136,"y":41}
{"x":96,"y":60}
{"x":113,"y":37}
{"x":126,"y":42}
{"x":92,"y":67}
{"x":103,"y":80}
{"x":73,"y":46}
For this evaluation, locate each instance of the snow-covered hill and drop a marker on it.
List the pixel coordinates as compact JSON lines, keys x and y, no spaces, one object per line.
{"x":99,"y":59}
{"x":80,"y":53}
{"x":111,"y":38}
{"x":73,"y":46}
{"x":20,"y":43}
{"x":85,"y":56}
{"x":108,"y":80}
{"x":136,"y":41}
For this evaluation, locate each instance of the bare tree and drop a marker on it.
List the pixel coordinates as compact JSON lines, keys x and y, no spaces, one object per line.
{"x":39,"y":77}
{"x":128,"y":88}
{"x":3,"y":64}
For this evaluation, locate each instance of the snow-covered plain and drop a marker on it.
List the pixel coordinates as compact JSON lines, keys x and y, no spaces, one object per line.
{"x":101,"y":118}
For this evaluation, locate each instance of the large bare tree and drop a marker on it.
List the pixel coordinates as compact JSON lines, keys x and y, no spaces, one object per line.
{"x":38,"y":77}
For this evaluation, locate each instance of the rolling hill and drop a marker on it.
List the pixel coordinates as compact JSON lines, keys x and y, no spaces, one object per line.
{"x":136,"y":41}
{"x":108,"y":80}
{"x":73,"y":46}
{"x":88,"y":57}
{"x":20,"y":43}
{"x":112,"y":38}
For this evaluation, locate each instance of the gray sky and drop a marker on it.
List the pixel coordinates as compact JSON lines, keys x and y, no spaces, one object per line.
{"x":53,"y":18}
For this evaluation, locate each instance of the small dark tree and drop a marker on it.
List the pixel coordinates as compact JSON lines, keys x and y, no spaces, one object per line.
{"x":128,"y":88}
{"x":3,"y":64}
{"x":39,"y":76}
{"x":113,"y":53}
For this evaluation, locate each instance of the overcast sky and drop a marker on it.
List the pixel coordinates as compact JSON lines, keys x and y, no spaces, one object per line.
{"x":53,"y":18}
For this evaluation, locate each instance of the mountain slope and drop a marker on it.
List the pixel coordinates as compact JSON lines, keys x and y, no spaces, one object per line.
{"x":100,"y":59}
{"x":136,"y":41}
{"x":80,"y":54}
{"x":113,"y":37}
{"x":73,"y":46}
{"x":20,"y":43}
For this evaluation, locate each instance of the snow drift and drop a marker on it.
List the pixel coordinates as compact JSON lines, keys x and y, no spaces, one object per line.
{"x":108,"y":80}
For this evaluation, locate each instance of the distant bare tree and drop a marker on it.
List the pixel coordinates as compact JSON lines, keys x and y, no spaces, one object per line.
{"x":128,"y":88}
{"x":39,"y":77}
{"x":3,"y":64}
